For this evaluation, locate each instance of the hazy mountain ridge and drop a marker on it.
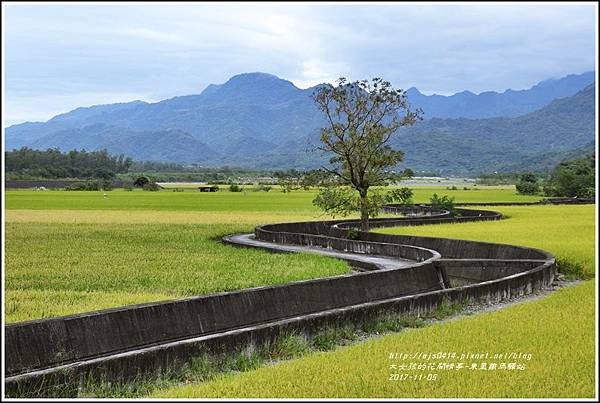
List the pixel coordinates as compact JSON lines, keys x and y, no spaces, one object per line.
{"x":258,"y":120}
{"x":509,"y":103}
{"x":497,"y":144}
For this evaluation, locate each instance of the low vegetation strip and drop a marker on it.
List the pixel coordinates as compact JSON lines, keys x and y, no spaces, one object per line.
{"x":224,"y":201}
{"x":560,"y":341}
{"x":287,"y":345}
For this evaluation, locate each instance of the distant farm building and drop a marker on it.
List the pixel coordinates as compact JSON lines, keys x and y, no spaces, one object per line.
{"x":208,"y":188}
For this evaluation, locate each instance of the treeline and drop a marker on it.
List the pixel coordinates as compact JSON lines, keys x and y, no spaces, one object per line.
{"x":30,"y":164}
{"x":156,"y":166}
{"x":27,"y":163}
{"x":173,"y":172}
{"x":573,"y":178}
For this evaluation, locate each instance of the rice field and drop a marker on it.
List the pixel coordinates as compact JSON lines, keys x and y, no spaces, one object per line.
{"x":57,"y":268}
{"x":68,"y":252}
{"x":224,"y":201}
{"x":558,"y":331}
{"x":567,"y":231}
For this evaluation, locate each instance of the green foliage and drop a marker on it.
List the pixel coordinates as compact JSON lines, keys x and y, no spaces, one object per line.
{"x":575,"y":178}
{"x":445,"y":309}
{"x":26,"y":163}
{"x":91,"y":186}
{"x":572,"y":269}
{"x":336,"y":201}
{"x":528,"y":184}
{"x":343,"y":200}
{"x":442,"y":203}
{"x":151,"y":187}
{"x":261,"y":188}
{"x":329,"y":338}
{"x":170,"y":172}
{"x":408,"y":173}
{"x":353,"y":233}
{"x":235,"y":188}
{"x":527,"y":188}
{"x":363,"y":117}
{"x":402,"y":196}
{"x":288,"y":346}
{"x":288,"y":180}
{"x":296,"y":180}
{"x":141,"y":181}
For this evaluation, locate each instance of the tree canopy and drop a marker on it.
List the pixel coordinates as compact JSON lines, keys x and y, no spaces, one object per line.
{"x":362,"y":117}
{"x":27,"y":163}
{"x":574,"y":178}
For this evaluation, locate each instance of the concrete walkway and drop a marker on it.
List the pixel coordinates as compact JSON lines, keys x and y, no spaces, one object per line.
{"x":383,"y":262}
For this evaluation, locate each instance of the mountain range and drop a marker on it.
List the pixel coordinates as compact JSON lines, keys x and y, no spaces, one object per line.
{"x":490,"y":104}
{"x":257,"y":120}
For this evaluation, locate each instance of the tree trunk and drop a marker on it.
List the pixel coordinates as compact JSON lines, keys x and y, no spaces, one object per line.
{"x":364,"y":210}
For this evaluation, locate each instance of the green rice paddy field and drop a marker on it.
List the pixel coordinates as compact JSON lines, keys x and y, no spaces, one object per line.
{"x":68,"y":252}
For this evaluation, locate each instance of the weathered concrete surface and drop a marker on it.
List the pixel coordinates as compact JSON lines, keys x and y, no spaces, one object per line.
{"x":361,"y":260}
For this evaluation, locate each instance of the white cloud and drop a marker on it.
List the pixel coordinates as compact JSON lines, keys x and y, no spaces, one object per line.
{"x":154,"y":35}
{"x":315,"y":72}
{"x":160,"y":50}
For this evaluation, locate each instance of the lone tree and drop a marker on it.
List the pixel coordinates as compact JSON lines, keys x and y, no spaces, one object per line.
{"x":362,"y":118}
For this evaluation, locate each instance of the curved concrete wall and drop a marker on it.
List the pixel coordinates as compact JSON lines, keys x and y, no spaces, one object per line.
{"x":103,"y":342}
{"x":44,"y":343}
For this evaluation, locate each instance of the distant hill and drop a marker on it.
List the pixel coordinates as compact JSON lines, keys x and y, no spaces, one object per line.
{"x":509,"y":103}
{"x":258,"y":120}
{"x":161,"y":145}
{"x":502,"y":144}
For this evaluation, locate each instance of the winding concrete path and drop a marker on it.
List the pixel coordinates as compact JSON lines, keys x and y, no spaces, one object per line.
{"x":382,"y":262}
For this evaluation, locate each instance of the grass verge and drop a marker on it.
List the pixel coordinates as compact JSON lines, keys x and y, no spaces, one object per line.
{"x":287,"y":346}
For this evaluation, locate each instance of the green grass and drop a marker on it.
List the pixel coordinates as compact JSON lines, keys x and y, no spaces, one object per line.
{"x":61,"y":268}
{"x":558,"y":331}
{"x":167,"y":200}
{"x":68,"y":252}
{"x":290,"y":344}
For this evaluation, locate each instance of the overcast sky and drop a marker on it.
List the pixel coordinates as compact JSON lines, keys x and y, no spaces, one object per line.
{"x":58,"y":57}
